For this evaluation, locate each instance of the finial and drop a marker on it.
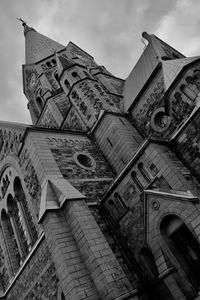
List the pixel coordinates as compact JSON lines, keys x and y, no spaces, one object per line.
{"x":23,"y":22}
{"x":146,"y":36}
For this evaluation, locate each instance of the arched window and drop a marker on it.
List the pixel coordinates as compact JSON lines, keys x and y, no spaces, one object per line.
{"x":192,"y":84}
{"x":67,"y":84}
{"x":48,"y":64}
{"x":120,"y":205}
{"x":74,"y":74}
{"x":39,"y":103}
{"x":53,"y":62}
{"x":56,"y":77}
{"x":113,"y":209}
{"x":136,"y":181}
{"x":11,"y":249}
{"x":26,"y":218}
{"x":17,"y":226}
{"x":188,"y":92}
{"x":184,"y":246}
{"x":144,"y":172}
{"x":17,"y":230}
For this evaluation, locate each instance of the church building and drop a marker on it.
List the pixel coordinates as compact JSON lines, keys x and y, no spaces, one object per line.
{"x":100,"y":196}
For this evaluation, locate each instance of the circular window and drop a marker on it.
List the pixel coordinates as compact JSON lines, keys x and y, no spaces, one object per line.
{"x":84,"y":160}
{"x":159,"y":120}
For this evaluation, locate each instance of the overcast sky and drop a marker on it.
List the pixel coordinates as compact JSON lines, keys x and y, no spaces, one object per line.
{"x":110,"y":30}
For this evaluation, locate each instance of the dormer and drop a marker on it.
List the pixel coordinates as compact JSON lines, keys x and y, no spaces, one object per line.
{"x":70,"y":72}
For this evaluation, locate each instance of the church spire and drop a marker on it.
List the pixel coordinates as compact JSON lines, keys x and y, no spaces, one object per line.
{"x":26,"y":27}
{"x":38,"y":46}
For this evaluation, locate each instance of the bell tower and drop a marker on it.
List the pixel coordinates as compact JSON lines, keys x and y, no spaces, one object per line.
{"x":65,"y":88}
{"x":40,"y":77}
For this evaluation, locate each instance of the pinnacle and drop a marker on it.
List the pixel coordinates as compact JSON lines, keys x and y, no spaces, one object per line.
{"x":38,"y":46}
{"x":63,"y":63}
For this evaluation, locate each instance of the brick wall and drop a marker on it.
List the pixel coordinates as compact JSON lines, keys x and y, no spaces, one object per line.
{"x":38,"y":279}
{"x":118,"y":140}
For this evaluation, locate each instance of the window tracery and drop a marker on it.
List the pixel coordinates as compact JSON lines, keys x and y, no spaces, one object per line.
{"x":17,"y":229}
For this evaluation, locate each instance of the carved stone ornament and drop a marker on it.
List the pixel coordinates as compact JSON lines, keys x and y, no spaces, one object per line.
{"x":155,"y":204}
{"x":159,"y":120}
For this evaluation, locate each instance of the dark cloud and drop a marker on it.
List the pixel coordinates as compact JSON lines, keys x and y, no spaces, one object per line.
{"x":110,"y":30}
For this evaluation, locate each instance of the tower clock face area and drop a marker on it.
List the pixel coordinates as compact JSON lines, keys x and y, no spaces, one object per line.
{"x":32,"y":81}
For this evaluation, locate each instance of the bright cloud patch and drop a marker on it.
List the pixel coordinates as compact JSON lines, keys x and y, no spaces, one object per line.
{"x":181,"y":27}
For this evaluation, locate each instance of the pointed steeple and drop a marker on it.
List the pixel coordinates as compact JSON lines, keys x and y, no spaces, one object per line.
{"x":38,"y":46}
{"x":63,"y":63}
{"x":162,"y":50}
{"x":155,"y":54}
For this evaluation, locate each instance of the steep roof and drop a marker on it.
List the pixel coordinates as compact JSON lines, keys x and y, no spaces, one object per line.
{"x":171,"y":68}
{"x":154,"y":54}
{"x":38,"y":46}
{"x":63,"y":63}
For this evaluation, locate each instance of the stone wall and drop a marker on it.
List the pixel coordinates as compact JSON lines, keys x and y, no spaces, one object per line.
{"x":90,"y":181}
{"x":187,"y":144}
{"x":37,"y":280}
{"x":118,"y":140}
{"x":161,"y":171}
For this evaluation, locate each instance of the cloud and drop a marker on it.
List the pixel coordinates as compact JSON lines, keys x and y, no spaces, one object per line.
{"x":181,"y":27}
{"x":110,"y":30}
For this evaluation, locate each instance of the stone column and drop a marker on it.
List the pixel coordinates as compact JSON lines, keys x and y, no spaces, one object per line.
{"x":109,"y":278}
{"x":73,"y":276}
